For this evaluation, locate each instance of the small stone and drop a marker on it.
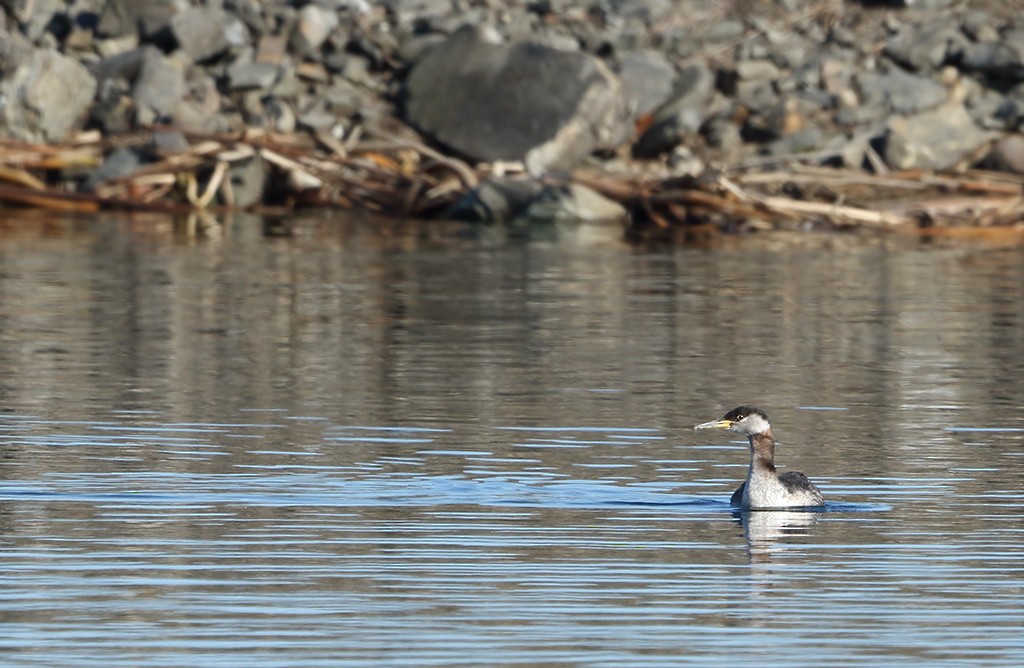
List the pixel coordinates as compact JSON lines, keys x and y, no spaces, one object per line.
{"x":495,"y":200}
{"x":117,"y":164}
{"x":200,"y":109}
{"x":901,"y":92}
{"x":113,"y":110}
{"x":407,"y":12}
{"x":1007,"y":155}
{"x":801,"y":141}
{"x":37,"y":17}
{"x":722,"y":31}
{"x":842,"y":36}
{"x":280,"y":115}
{"x":206,"y":32}
{"x":979,"y":26}
{"x":757,"y":70}
{"x":314,"y":26}
{"x":159,"y":87}
{"x":247,"y":76}
{"x":312,"y":72}
{"x":722,"y":133}
{"x":774,"y":121}
{"x":683,"y":162}
{"x":926,"y":47}
{"x":271,"y":49}
{"x":107,"y":48}
{"x":248,"y":180}
{"x":647,"y":11}
{"x":145,"y":20}
{"x":998,"y":59}
{"x":573,"y":203}
{"x":647,"y":79}
{"x":124,"y":65}
{"x":318,"y":120}
{"x":169,"y":142}
{"x":79,"y":40}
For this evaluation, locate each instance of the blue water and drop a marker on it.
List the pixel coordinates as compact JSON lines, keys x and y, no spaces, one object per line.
{"x":340,"y":449}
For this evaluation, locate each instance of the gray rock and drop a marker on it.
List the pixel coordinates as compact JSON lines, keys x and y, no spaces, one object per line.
{"x":37,"y":16}
{"x":801,"y":141}
{"x":681,"y":116}
{"x":248,"y":76}
{"x":757,"y":70}
{"x":926,"y":47}
{"x":113,"y":110}
{"x":312,"y":29}
{"x":517,"y":102}
{"x":722,"y":31}
{"x":573,"y":203}
{"x":15,"y":51}
{"x":132,"y":17}
{"x":200,"y":108}
{"x":722,"y":133}
{"x":901,"y":92}
{"x":842,"y":36}
{"x":647,"y":79}
{"x":1004,"y":60}
{"x":125,"y":65}
{"x":683,"y":162}
{"x":118,"y":163}
{"x":248,"y":180}
{"x":46,"y":97}
{"x":280,"y":116}
{"x":936,"y":139}
{"x":15,"y":7}
{"x":169,"y":142}
{"x":414,"y":47}
{"x":525,"y":202}
{"x":345,"y":99}
{"x":406,"y":12}
{"x":250,"y":13}
{"x":1008,"y":110}
{"x":159,"y":87}
{"x":495,"y":200}
{"x":979,"y":25}
{"x":206,"y":32}
{"x":113,"y":46}
{"x":647,"y":11}
{"x":1007,"y":154}
{"x":318,"y":119}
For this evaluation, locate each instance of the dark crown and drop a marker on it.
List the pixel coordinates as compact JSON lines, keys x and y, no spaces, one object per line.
{"x":737,"y":414}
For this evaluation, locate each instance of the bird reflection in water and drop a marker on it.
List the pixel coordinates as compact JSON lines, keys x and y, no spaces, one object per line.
{"x":763,"y":529}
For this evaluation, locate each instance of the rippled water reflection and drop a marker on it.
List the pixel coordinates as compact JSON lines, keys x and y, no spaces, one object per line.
{"x":355,"y":448}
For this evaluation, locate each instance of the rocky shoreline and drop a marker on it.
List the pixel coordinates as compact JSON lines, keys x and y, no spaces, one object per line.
{"x":659,"y":113}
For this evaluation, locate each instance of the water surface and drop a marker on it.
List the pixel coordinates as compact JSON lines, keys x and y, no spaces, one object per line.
{"x":364,"y":445}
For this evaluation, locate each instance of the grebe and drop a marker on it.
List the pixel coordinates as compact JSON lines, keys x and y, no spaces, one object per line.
{"x":764,"y":487}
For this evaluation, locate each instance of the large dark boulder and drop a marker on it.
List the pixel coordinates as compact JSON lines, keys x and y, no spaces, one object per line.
{"x":523,"y":101}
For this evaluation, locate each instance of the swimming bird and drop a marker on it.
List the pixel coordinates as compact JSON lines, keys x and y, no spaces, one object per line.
{"x":764,"y":487}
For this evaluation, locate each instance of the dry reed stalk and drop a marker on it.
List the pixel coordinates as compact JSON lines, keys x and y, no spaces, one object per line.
{"x":840,"y":213}
{"x":21,"y":177}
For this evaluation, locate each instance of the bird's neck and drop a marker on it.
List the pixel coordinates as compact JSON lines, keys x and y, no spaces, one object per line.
{"x":762,"y":451}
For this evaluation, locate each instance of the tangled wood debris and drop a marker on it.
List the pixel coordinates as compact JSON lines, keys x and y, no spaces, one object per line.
{"x":404,"y":177}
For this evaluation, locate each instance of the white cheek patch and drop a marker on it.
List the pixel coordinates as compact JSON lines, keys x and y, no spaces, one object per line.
{"x":752,"y":424}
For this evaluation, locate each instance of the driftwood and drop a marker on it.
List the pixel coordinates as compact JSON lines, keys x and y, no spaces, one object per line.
{"x":405,"y":177}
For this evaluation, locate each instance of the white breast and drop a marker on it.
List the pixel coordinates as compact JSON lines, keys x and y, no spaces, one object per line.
{"x":763,"y":490}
